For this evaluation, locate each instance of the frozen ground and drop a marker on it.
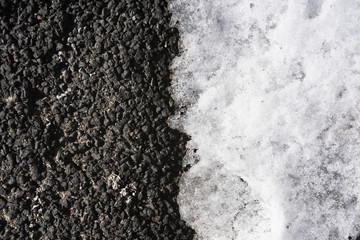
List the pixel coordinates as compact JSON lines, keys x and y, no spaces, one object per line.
{"x":272,"y":90}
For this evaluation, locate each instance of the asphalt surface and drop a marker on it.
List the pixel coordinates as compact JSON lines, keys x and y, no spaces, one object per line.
{"x":85,"y":149}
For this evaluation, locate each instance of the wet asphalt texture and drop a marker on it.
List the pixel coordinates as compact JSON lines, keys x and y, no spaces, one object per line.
{"x":85,"y":148}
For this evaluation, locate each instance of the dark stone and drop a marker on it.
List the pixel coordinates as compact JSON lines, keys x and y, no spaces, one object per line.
{"x":85,"y":148}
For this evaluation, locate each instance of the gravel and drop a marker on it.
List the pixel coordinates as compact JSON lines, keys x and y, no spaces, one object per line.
{"x":85,"y":149}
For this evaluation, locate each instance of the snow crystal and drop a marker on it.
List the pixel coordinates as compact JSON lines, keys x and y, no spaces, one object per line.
{"x":272,"y":95}
{"x":63,"y":94}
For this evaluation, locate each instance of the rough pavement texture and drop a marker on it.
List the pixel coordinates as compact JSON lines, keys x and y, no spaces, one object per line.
{"x":85,"y":150}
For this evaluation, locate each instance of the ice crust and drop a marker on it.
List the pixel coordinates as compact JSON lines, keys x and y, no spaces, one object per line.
{"x":272,"y":92}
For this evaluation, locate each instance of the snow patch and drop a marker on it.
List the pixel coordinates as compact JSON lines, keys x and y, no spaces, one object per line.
{"x":271,"y":90}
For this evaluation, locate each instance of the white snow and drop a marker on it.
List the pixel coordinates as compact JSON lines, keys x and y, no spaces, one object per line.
{"x":272,"y":90}
{"x":63,"y":94}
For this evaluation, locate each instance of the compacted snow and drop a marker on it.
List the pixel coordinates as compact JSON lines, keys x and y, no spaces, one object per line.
{"x":272,"y":97}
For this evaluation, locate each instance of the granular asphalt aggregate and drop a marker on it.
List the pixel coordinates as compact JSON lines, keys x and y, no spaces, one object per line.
{"x":85,"y":148}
